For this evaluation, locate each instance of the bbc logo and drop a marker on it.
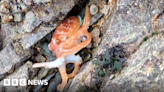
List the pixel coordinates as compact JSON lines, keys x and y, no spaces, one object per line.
{"x":15,"y":82}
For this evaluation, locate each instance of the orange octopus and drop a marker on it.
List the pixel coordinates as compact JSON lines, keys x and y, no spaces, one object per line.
{"x":65,"y":45}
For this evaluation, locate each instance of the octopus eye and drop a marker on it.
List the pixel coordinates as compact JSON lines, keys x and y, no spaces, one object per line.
{"x":81,"y":38}
{"x":49,"y":46}
{"x":54,"y":41}
{"x":84,"y":38}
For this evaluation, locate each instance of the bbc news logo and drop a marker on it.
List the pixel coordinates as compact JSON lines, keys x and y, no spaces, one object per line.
{"x":24,"y":82}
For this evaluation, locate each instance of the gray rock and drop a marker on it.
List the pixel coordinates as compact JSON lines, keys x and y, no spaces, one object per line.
{"x":41,"y":1}
{"x":40,"y":58}
{"x":30,"y":22}
{"x":131,"y":26}
{"x":54,"y":83}
{"x":53,"y":11}
{"x":21,"y":73}
{"x":93,"y":9}
{"x":11,"y":55}
{"x":145,"y":69}
{"x":95,"y":33}
{"x":79,"y":79}
{"x":17,"y":17}
{"x":38,"y":88}
{"x":42,"y":73}
{"x":27,"y":2}
{"x":95,"y":18}
{"x":23,"y":6}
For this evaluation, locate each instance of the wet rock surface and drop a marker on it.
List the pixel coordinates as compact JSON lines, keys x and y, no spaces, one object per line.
{"x":21,"y":73}
{"x":144,"y":71}
{"x":25,"y":34}
{"x":54,"y":12}
{"x":12,"y":54}
{"x":131,"y":26}
{"x":22,"y":29}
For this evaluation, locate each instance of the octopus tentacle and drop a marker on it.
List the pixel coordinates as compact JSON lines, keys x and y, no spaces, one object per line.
{"x":75,"y":71}
{"x":82,"y":31}
{"x":53,"y":64}
{"x":77,"y":47}
{"x":86,"y":20}
{"x":76,"y":60}
{"x":64,"y":76}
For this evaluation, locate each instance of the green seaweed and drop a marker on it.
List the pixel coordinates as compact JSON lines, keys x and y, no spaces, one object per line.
{"x":105,"y":61}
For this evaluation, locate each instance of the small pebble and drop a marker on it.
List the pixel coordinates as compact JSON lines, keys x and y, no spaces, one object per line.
{"x":40,"y":58}
{"x":7,"y":19}
{"x":95,"y":18}
{"x":41,"y":1}
{"x":93,"y":9}
{"x":11,"y":71}
{"x":112,"y":76}
{"x":17,"y":17}
{"x":105,"y":9}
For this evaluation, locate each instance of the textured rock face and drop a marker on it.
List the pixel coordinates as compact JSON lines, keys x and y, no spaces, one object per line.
{"x":21,"y":73}
{"x":12,"y":54}
{"x":132,"y":21}
{"x":135,"y":26}
{"x":144,"y":71}
{"x":55,"y":12}
{"x":18,"y":37}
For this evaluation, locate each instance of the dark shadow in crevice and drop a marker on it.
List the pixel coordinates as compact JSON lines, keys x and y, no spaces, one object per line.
{"x":76,"y":10}
{"x":1,"y":37}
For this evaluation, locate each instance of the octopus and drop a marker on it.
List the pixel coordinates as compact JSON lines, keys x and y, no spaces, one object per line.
{"x":65,"y":44}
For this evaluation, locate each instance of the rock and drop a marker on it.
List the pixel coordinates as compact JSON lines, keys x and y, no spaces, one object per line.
{"x":145,"y":66}
{"x":95,"y":18}
{"x":5,"y":8}
{"x":42,"y":73}
{"x":23,"y":6}
{"x":54,"y":83}
{"x":130,"y":25}
{"x":27,"y":2}
{"x":78,"y":81}
{"x":30,"y":22}
{"x":9,"y":56}
{"x":45,"y":51}
{"x":38,"y":88}
{"x":95,"y":33}
{"x":21,"y":73}
{"x":93,"y":9}
{"x":105,"y":9}
{"x":47,"y":14}
{"x":2,"y":36}
{"x":41,"y":1}
{"x":111,"y":76}
{"x":40,"y":58}
{"x":8,"y":33}
{"x":17,"y":17}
